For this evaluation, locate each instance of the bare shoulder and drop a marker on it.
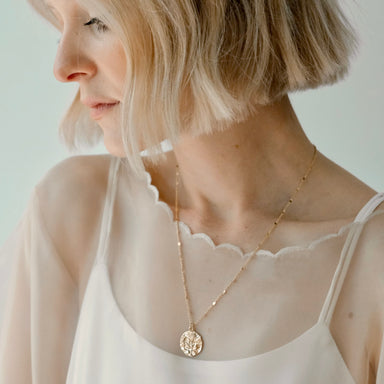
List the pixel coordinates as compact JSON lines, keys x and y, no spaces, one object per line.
{"x":372,"y":236}
{"x":337,"y":193}
{"x":74,"y":173}
{"x":71,"y":197}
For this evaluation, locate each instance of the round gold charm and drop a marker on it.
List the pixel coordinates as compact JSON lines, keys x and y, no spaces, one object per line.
{"x":191,"y":343}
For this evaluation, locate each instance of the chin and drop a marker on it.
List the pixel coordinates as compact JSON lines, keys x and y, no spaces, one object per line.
{"x":115,"y":148}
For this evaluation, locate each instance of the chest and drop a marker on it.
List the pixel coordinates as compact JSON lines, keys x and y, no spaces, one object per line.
{"x":274,"y":301}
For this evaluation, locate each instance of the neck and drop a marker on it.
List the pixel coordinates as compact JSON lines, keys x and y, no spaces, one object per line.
{"x":251,"y":166}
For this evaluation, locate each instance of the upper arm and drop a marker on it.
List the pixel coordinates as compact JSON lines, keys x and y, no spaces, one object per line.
{"x":71,"y":196}
{"x":371,"y":250}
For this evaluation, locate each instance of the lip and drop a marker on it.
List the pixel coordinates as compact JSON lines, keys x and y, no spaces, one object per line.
{"x":98,"y":108}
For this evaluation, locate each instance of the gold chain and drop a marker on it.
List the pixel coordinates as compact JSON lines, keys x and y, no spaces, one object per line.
{"x":193,"y":345}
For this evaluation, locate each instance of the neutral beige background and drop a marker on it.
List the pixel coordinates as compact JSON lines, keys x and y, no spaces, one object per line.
{"x":344,"y":121}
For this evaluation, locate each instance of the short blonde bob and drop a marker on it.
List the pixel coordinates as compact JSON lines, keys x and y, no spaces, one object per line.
{"x":194,"y":63}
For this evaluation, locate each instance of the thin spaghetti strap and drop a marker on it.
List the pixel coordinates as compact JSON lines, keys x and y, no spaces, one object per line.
{"x":341,"y":271}
{"x":369,"y":207}
{"x":346,"y":256}
{"x":108,"y":210}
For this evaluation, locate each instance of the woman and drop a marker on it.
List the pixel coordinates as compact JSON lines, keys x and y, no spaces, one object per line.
{"x":240,"y":255}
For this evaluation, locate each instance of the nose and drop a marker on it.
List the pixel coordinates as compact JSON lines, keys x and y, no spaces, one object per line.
{"x":71,"y":62}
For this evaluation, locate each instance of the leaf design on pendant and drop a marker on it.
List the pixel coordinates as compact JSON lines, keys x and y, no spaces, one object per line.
{"x":191,"y":343}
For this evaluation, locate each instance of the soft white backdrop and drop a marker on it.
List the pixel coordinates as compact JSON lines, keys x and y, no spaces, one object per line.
{"x":344,"y":121}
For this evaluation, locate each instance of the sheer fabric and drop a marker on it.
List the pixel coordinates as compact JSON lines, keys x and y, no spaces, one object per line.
{"x":275,"y":304}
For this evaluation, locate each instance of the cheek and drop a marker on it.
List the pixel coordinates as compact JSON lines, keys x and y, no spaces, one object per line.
{"x":116,"y":64}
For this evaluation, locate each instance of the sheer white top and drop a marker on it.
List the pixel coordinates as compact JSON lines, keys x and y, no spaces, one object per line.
{"x":124,"y":326}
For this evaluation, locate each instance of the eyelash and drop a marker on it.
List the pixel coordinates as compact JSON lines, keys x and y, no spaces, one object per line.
{"x":100,"y":26}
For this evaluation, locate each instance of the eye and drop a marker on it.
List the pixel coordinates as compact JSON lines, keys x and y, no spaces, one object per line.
{"x":100,"y":26}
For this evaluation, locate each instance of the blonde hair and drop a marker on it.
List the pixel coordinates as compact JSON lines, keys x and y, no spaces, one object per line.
{"x":220,"y":58}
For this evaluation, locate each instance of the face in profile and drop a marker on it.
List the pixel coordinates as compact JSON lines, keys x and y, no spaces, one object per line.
{"x":90,"y":54}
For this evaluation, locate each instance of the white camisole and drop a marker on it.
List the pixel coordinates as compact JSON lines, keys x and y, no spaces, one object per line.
{"x":107,"y":350}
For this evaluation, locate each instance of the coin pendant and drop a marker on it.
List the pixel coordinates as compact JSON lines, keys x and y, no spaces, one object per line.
{"x":191,"y":343}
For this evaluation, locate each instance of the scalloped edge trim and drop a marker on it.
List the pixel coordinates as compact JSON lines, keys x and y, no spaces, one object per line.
{"x":288,"y":250}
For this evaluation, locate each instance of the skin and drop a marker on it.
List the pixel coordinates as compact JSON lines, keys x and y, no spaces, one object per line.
{"x":233,"y":183}
{"x":94,"y":59}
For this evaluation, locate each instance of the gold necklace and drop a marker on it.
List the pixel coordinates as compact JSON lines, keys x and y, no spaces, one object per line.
{"x":191,"y":342}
